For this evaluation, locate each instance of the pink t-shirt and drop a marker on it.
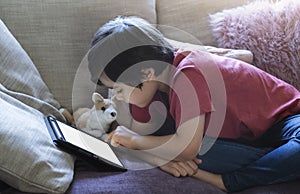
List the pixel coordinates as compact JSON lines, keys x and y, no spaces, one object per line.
{"x":238,"y":99}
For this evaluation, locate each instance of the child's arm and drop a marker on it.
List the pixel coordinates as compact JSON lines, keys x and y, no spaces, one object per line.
{"x":184,"y":145}
{"x":190,"y":168}
{"x":179,"y":169}
{"x":211,"y":178}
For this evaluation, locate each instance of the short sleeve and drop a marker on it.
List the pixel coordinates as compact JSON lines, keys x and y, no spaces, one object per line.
{"x":189,"y":95}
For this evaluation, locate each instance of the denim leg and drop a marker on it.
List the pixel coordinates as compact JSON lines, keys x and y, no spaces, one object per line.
{"x":279,"y":165}
{"x":281,"y":132}
{"x":226,"y":156}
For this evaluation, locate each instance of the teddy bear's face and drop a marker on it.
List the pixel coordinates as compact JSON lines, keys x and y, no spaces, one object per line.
{"x":106,"y":110}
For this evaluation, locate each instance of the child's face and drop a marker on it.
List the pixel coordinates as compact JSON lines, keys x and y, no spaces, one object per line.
{"x":129,"y":94}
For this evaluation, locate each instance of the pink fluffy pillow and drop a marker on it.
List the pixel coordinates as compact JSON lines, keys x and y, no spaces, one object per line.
{"x":270,"y":30}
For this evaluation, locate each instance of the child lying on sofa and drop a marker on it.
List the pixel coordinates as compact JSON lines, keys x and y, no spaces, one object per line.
{"x":217,"y":119}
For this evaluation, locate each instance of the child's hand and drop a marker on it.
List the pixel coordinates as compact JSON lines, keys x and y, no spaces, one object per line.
{"x":178,"y":168}
{"x":122,"y":136}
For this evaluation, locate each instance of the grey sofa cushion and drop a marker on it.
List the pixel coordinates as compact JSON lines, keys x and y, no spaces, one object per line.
{"x":29,"y":160}
{"x":19,"y":75}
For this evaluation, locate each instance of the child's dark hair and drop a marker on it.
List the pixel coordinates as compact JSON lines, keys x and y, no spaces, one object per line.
{"x":153,"y":52}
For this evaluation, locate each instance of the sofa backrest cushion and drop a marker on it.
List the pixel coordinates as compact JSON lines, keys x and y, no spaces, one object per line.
{"x":191,"y":18}
{"x":56,"y":34}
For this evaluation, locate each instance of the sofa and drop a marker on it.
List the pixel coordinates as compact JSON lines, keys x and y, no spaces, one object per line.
{"x":43,"y":45}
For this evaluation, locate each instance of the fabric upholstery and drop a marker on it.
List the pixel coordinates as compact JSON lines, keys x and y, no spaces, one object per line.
{"x":153,"y":181}
{"x":90,"y":180}
{"x":29,"y":160}
{"x":57,"y":33}
{"x":243,"y":55}
{"x":143,"y":181}
{"x":187,"y":21}
{"x":19,"y":74}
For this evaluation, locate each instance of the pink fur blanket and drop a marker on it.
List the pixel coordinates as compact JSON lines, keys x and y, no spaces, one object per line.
{"x":269,"y":29}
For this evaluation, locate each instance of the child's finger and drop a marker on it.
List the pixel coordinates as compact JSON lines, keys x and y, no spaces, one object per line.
{"x":171,"y":170}
{"x":109,"y":136}
{"x":197,"y":160}
{"x":193,"y":167}
{"x":114,"y":143}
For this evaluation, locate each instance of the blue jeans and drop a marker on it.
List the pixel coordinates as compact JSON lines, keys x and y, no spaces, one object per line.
{"x":274,"y":158}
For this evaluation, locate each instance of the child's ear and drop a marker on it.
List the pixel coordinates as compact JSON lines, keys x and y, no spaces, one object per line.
{"x":97,"y":98}
{"x":148,"y":74}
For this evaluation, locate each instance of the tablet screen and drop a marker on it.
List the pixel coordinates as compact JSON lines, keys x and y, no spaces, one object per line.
{"x":88,"y":143}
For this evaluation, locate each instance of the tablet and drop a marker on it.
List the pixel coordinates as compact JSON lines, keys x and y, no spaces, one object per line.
{"x":82,"y":144}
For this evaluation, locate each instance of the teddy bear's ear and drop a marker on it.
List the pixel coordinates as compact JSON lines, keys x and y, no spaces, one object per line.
{"x":97,"y":98}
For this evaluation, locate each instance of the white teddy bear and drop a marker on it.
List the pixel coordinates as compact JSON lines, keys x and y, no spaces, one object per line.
{"x":97,"y":120}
